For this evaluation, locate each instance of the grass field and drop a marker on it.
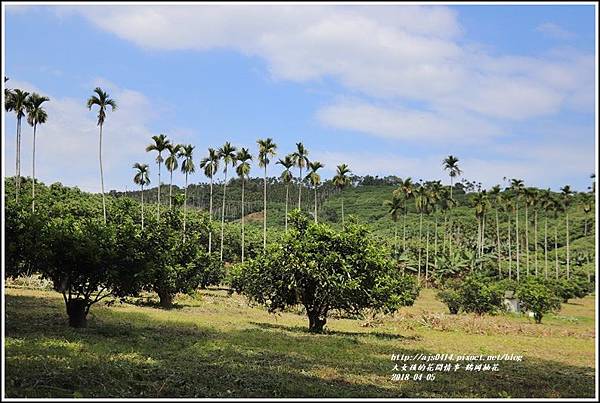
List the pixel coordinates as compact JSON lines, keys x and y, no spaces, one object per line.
{"x":215,"y":345}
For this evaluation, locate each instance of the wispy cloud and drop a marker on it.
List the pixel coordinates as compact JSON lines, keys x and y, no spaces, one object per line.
{"x":555,"y":31}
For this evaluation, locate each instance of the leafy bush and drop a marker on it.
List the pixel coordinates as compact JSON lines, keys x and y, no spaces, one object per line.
{"x":575,"y":287}
{"x":173,"y":265}
{"x":88,"y":261}
{"x":324,"y":270}
{"x":537,"y":297}
{"x":480,"y":295}
{"x":451,"y":296}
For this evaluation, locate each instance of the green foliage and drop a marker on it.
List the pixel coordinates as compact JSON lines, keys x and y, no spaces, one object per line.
{"x":577,"y":286}
{"x":88,"y":261}
{"x":480,"y":295}
{"x":451,"y":296}
{"x":536,"y":296}
{"x":324,"y":270}
{"x":174,"y":265}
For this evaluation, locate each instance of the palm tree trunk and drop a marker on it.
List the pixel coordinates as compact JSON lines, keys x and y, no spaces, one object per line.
{"x":404,"y":232}
{"x":210,"y":215}
{"x":556,"y":248}
{"x":435,"y":243}
{"x":545,"y":246}
{"x":568,"y":260}
{"x":142,"y":207}
{"x":526,"y":242}
{"x":482,"y":241}
{"x":170,"y":190}
{"x":478,"y":237}
{"x":158,"y":207}
{"x":223,"y":212}
{"x":498,"y":244}
{"x":517,"y":240}
{"x":185,"y":204}
{"x":427,"y":258}
{"x":342,"y":209}
{"x":287,"y":191}
{"x":316,"y":204}
{"x":444,"y":233}
{"x":509,"y":249}
{"x":242,"y":219}
{"x":300,"y":190}
{"x":420,"y":240}
{"x":18,"y":161}
{"x":535,"y":236}
{"x":102,"y":175}
{"x":395,"y":240}
{"x":33,"y":167}
{"x":265,"y":210}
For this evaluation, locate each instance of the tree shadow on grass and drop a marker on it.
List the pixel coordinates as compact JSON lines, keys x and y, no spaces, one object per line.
{"x":133,"y":354}
{"x":303,"y":329}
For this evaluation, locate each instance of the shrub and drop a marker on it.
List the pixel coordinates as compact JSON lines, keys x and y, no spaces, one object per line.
{"x":88,"y":261}
{"x":451,"y":296}
{"x":575,"y":287}
{"x":537,"y":297}
{"x":324,"y":270}
{"x":480,"y":295}
{"x":173,"y":265}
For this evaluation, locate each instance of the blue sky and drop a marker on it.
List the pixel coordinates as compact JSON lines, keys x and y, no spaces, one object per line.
{"x":510,"y":90}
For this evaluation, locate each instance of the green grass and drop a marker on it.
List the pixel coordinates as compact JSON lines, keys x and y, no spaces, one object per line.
{"x":215,"y":345}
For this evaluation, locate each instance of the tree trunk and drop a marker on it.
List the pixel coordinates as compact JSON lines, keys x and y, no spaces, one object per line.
{"x":265,"y":210}
{"x":77,"y":312}
{"x":395,"y":241}
{"x":316,"y":322}
{"x":526,"y":242}
{"x":242,"y":219}
{"x":142,"y":207}
{"x":171,"y":190}
{"x":102,"y":175}
{"x":498,"y":244}
{"x":165,"y":299}
{"x":482,"y":241}
{"x":404,"y":233}
{"x":535,"y":236}
{"x":185,"y":204}
{"x":158,"y":207}
{"x":556,"y":248}
{"x":435,"y":237}
{"x":210,"y":214}
{"x":517,"y":240}
{"x":509,"y":249}
{"x":33,"y":167}
{"x":478,"y":237}
{"x":427,"y":258}
{"x":223,"y":211}
{"x":287,"y":192}
{"x":420,"y":241}
{"x":568,"y":260}
{"x":342,"y":210}
{"x":316,"y":204}
{"x":545,"y":246}
{"x":300,"y":190}
{"x":18,"y":161}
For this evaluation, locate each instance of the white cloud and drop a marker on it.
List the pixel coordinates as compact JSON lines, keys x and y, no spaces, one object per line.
{"x":408,"y":124}
{"x":555,"y":31}
{"x":532,"y":163}
{"x":394,"y":52}
{"x":67,"y":145}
